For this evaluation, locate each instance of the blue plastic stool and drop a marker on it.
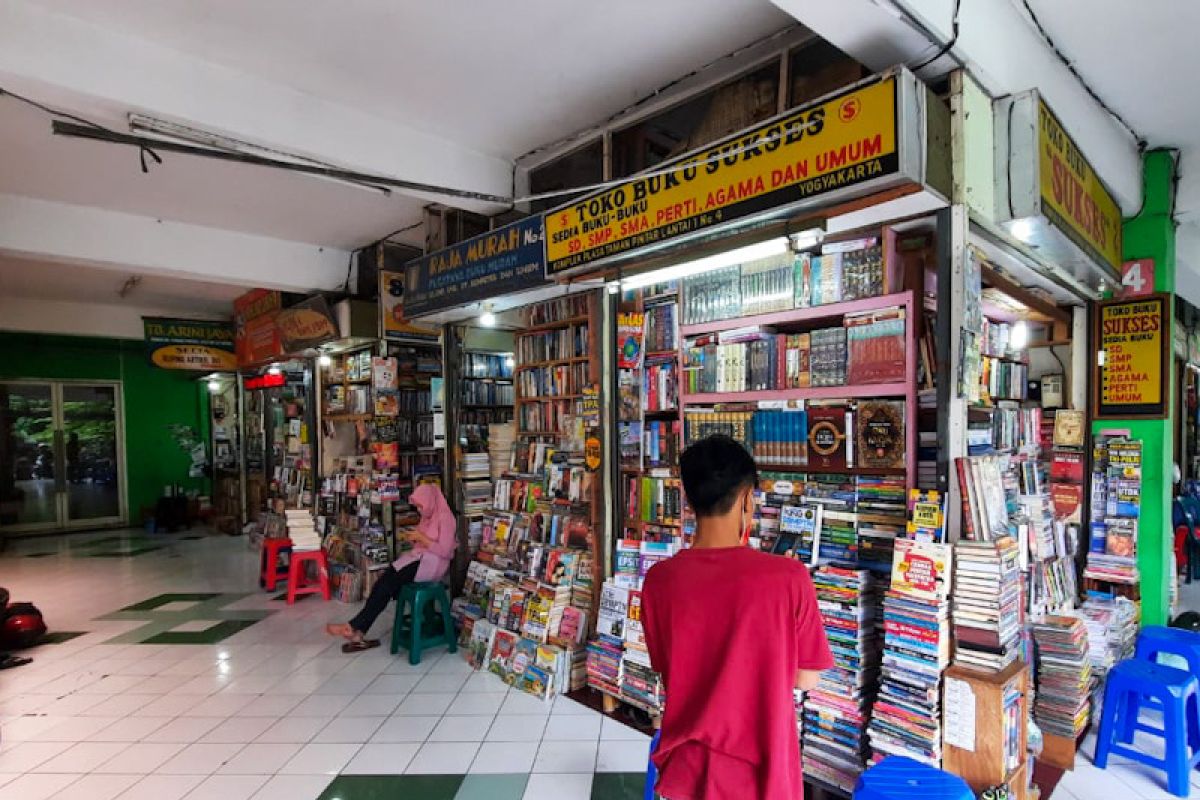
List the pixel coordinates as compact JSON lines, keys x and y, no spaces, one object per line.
{"x":1129,"y":684}
{"x":651,"y":772}
{"x":409,"y":626}
{"x":899,"y":778}
{"x":1156,"y":639}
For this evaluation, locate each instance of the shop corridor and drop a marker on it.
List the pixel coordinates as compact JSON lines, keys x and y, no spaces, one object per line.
{"x":179,"y":678}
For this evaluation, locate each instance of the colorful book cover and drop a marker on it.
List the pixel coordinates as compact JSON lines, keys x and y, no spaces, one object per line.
{"x":629,"y":340}
{"x":1068,"y":428}
{"x":926,"y":515}
{"x":826,"y":438}
{"x":500,"y":657}
{"x":573,"y":627}
{"x":1068,"y":502}
{"x":922,"y":569}
{"x":880,"y":432}
{"x":480,"y":643}
{"x":803,"y":524}
{"x":633,"y":620}
{"x":1122,"y":537}
{"x":535,"y":681}
{"x":614,"y":608}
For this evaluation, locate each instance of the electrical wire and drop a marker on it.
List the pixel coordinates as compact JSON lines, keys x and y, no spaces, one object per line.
{"x":948,"y":46}
{"x":1066,"y":62}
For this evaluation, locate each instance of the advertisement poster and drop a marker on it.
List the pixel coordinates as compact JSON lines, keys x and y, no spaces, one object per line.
{"x":392,"y":312}
{"x":845,"y":140}
{"x":256,"y":336}
{"x":190,"y":344}
{"x":306,"y":324}
{"x":922,"y":569}
{"x":504,"y":261}
{"x":1132,"y":364}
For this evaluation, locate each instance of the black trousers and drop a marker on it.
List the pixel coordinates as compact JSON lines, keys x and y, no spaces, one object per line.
{"x":387,"y":588}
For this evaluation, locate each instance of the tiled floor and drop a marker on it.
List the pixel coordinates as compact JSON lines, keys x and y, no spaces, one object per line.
{"x":189,"y":682}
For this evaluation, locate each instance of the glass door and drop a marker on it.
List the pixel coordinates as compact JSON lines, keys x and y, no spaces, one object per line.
{"x":61,"y":464}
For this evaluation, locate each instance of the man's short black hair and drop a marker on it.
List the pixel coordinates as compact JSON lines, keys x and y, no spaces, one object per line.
{"x":715,"y":471}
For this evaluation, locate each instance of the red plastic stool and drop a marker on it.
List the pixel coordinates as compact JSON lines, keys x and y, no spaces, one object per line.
{"x":270,"y":573}
{"x":297,"y":584}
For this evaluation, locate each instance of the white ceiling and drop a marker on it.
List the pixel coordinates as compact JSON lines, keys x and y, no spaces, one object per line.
{"x":75,"y":283}
{"x":499,"y":77}
{"x":1142,"y":60}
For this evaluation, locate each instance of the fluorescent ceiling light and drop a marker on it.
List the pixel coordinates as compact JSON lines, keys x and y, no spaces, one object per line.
{"x":753,"y":252}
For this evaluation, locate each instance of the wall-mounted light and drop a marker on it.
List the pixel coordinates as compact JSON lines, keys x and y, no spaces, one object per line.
{"x":1019,"y":338}
{"x":274,"y":369}
{"x":325,"y":360}
{"x":214,"y":385}
{"x":486,"y":318}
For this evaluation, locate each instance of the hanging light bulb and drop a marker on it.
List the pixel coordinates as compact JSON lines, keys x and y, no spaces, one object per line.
{"x":214,"y":385}
{"x":486,"y":318}
{"x":325,"y":360}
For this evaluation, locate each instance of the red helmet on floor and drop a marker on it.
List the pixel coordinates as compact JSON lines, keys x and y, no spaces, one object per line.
{"x":21,"y":625}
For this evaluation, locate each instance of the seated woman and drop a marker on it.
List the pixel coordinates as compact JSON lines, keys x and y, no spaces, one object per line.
{"x":433,"y":541}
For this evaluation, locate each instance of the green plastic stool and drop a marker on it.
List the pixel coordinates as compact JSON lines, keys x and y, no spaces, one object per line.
{"x":410,"y":630}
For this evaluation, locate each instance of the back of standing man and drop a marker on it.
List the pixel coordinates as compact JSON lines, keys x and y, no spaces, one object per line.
{"x":732,"y":631}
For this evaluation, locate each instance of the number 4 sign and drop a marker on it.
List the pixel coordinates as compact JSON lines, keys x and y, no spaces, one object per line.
{"x":1137,"y":278}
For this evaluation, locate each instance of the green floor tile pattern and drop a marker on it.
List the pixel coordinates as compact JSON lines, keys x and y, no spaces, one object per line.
{"x":107,"y":547}
{"x":605,"y":786}
{"x":160,"y":624}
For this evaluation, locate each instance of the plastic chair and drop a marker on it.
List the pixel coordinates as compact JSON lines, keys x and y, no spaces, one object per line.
{"x":899,"y":778}
{"x":651,"y":770}
{"x":409,"y":626}
{"x":270,"y":572}
{"x":1159,"y":639}
{"x":1175,"y":692}
{"x":298,"y":582}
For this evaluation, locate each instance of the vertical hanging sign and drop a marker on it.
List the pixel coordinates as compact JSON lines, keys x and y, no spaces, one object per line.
{"x":1133,"y":358}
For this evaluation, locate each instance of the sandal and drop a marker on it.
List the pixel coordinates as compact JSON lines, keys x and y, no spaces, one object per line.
{"x":8,"y":662}
{"x":360,"y":645}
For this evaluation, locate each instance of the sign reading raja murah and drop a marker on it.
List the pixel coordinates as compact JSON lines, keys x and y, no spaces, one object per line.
{"x":190,"y":344}
{"x":507,"y":260}
{"x":845,"y":140}
{"x":1134,"y":356}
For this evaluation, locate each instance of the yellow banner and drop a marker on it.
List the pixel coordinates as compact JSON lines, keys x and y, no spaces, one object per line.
{"x":843,"y":141}
{"x":1132,"y":338}
{"x":1073,"y":198}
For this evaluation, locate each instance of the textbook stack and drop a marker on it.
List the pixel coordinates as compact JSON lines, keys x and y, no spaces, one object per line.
{"x":1064,"y":676}
{"x":302,"y":530}
{"x":836,"y":710}
{"x":906,"y":717}
{"x":987,"y":604}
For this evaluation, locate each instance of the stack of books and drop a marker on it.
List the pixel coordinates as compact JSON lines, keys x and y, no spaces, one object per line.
{"x":906,"y":717}
{"x":500,"y":446}
{"x":1064,"y":676}
{"x":604,"y":655}
{"x":927,"y":444}
{"x":301,"y":529}
{"x":987,"y":604}
{"x":1112,"y":624}
{"x":836,"y":711}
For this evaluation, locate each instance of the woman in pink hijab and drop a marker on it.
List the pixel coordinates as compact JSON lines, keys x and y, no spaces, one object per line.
{"x":433,"y":541}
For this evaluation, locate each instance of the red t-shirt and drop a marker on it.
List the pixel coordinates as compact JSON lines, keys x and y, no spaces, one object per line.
{"x":727,"y":628}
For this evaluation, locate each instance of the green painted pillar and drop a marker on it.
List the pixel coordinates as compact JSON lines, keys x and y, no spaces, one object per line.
{"x":1151,"y":234}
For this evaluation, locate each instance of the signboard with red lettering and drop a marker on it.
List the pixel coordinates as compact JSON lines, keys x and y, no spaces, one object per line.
{"x":1134,"y":356}
{"x":1137,"y":278}
{"x":256,"y":336}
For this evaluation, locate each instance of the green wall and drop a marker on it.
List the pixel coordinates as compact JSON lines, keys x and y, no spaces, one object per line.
{"x":154,"y":398}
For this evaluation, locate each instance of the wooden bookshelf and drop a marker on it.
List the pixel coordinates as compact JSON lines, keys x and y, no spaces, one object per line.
{"x":984,"y":765}
{"x":815,"y":314}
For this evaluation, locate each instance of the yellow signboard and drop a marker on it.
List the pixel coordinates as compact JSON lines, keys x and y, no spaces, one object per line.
{"x":1133,"y":346}
{"x":1073,"y":198}
{"x":391,"y":311}
{"x":848,"y":139}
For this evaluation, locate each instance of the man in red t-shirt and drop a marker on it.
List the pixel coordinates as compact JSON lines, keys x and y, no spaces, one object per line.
{"x":732,"y":631}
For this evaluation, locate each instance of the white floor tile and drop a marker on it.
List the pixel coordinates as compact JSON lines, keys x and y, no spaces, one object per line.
{"x":26,"y":756}
{"x":516,"y":729}
{"x":293,"y":787}
{"x":24,"y":729}
{"x":485,"y":683}
{"x":260,"y":759}
{"x":349,"y":730}
{"x":298,"y":730}
{"x":183,"y":729}
{"x":200,"y":759}
{"x":239,"y":730}
{"x":120,"y":705}
{"x":522,"y":703}
{"x":270,"y":705}
{"x":322,"y":705}
{"x":97,"y":787}
{"x":573,"y":728}
{"x":437,"y":681}
{"x":373,"y":705}
{"x":424,"y":704}
{"x":81,"y":758}
{"x":320,"y":759}
{"x":612,"y":729}
{"x":504,"y":757}
{"x":405,"y":729}
{"x":115,"y":684}
{"x":37,"y":786}
{"x":382,"y":759}
{"x":161,"y":787}
{"x":218,"y":705}
{"x":565,"y":756}
{"x":566,"y":707}
{"x":443,"y":758}
{"x":345,"y":684}
{"x":74,"y":729}
{"x":462,"y":729}
{"x":74,"y":704}
{"x":622,"y":756}
{"x":395,"y":685}
{"x":475,"y":704}
{"x":228,"y":787}
{"x":559,"y":787}
{"x":142,"y":758}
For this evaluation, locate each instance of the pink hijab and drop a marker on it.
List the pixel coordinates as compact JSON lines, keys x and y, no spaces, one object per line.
{"x":440,"y":525}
